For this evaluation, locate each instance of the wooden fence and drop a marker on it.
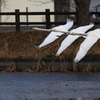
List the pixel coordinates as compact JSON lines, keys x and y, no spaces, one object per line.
{"x":47,"y":14}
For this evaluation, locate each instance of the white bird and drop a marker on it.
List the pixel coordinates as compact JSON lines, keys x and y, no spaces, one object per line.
{"x":71,"y":38}
{"x":53,"y":35}
{"x":90,"y":40}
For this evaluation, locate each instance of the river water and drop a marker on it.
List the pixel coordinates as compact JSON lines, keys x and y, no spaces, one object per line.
{"x":49,"y":86}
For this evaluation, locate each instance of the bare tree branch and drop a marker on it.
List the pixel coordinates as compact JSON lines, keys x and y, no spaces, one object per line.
{"x":41,"y":2}
{"x":3,"y":3}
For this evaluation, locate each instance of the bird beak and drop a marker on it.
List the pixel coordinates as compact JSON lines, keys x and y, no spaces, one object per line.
{"x":33,"y":28}
{"x":55,"y":30}
{"x":70,"y":33}
{"x":52,"y":30}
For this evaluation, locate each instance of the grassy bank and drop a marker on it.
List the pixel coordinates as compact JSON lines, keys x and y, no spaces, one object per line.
{"x":21,"y":45}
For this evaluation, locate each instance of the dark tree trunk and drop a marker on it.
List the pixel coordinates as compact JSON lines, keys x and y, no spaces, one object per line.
{"x":61,"y":6}
{"x":82,"y":10}
{"x":0,"y":9}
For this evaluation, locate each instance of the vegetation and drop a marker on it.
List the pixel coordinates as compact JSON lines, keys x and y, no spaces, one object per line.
{"x":21,"y":45}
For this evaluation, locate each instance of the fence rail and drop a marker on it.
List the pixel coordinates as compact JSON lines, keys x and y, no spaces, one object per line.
{"x":47,"y":14}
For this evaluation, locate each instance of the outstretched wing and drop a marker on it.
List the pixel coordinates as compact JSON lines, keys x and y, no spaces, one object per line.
{"x":87,"y":27}
{"x":65,"y":43}
{"x":53,"y":35}
{"x":84,"y":47}
{"x":65,"y":27}
{"x":69,"y":24}
{"x":49,"y":39}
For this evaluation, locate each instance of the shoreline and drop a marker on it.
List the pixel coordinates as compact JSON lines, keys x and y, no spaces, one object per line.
{"x":48,"y":65}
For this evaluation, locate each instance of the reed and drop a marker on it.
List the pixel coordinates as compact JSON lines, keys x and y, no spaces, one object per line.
{"x":21,"y":45}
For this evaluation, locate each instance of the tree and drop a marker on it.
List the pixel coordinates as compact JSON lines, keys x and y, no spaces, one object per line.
{"x":82,"y":11}
{"x":61,"y":6}
{"x":40,"y":2}
{"x":2,"y":3}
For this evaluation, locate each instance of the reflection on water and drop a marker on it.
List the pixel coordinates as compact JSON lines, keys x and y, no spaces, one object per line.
{"x":83,"y":99}
{"x":76,"y":99}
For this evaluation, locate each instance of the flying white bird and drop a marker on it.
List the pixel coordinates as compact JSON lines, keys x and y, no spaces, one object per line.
{"x":71,"y":38}
{"x":53,"y":35}
{"x":90,"y":40}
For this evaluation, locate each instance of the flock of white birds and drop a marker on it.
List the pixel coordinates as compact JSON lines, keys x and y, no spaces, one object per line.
{"x":91,"y":38}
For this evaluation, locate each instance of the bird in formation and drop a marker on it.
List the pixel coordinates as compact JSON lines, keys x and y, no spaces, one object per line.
{"x":91,"y":38}
{"x":54,"y":35}
{"x":71,"y":38}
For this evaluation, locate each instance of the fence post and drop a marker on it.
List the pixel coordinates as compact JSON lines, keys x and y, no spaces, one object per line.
{"x":17,"y":19}
{"x":27,"y":15}
{"x":47,"y":18}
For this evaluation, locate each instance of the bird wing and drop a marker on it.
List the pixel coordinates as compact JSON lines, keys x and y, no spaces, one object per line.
{"x":69,"y":24}
{"x":65,"y":43}
{"x":65,"y":27}
{"x":84,"y":47}
{"x":53,"y":35}
{"x":82,"y":29}
{"x":49,"y":39}
{"x":87,"y":27}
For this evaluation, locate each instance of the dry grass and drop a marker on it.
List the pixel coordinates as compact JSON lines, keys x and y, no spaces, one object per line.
{"x":21,"y":45}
